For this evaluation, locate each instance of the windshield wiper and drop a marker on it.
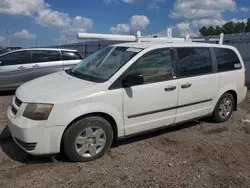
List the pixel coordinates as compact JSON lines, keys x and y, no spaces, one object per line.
{"x":81,"y":75}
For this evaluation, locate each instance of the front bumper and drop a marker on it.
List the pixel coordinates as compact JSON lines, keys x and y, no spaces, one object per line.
{"x":33,"y":136}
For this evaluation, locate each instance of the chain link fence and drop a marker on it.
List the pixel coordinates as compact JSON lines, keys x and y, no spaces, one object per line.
{"x":86,"y":48}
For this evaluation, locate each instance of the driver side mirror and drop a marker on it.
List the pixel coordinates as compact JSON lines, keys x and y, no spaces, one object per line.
{"x":133,"y":80}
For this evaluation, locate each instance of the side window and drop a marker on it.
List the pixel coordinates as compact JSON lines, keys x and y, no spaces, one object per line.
{"x":227,"y":59}
{"x":155,"y":66}
{"x":194,"y":61}
{"x":15,"y":58}
{"x":39,"y":56}
{"x":70,"y":55}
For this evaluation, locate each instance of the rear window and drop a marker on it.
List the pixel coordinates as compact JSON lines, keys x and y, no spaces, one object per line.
{"x":227,"y":60}
{"x":39,"y":56}
{"x":70,"y":55}
{"x":194,"y":61}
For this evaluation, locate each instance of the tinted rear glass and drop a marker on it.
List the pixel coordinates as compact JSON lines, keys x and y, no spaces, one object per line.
{"x":227,"y":59}
{"x":39,"y":56}
{"x":70,"y":55}
{"x":194,"y":61}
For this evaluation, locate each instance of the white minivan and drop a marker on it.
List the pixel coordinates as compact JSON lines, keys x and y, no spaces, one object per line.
{"x":122,"y":90}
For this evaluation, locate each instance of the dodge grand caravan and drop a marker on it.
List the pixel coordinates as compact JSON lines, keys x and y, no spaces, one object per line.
{"x":123,"y":90}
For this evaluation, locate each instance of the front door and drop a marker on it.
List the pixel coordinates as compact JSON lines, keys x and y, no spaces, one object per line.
{"x":14,"y":69}
{"x":45,"y":62}
{"x":198,"y":83}
{"x":152,"y":104}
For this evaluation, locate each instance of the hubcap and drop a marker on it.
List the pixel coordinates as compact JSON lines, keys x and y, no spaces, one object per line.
{"x":90,"y":141}
{"x":225,"y":108}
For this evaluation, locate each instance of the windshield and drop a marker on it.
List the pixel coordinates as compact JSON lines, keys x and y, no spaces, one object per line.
{"x":100,"y":66}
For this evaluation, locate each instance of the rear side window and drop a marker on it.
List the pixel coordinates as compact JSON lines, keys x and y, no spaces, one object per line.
{"x":15,"y":58}
{"x":70,"y":55}
{"x":227,"y":59}
{"x":40,"y":56}
{"x":155,"y":66}
{"x":194,"y":61}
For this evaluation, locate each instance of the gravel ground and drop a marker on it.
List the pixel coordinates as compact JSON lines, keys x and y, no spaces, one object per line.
{"x":197,"y":154}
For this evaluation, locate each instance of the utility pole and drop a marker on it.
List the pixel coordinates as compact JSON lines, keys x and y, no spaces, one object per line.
{"x":8,"y":33}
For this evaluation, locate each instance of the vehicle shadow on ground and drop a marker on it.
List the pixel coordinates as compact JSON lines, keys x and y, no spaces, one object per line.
{"x":12,"y":150}
{"x":156,"y":133}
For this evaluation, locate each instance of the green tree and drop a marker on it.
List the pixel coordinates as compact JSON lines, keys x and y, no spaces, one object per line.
{"x":203,"y":31}
{"x":218,"y":30}
{"x":210,"y":31}
{"x":247,"y":29}
{"x":239,"y":27}
{"x":228,"y":28}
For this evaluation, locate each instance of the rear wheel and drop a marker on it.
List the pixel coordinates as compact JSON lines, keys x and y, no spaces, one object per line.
{"x":87,"y":139}
{"x":224,"y":108}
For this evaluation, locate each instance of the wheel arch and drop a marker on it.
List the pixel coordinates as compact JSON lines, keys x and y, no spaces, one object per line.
{"x":106,"y":116}
{"x":234,"y":96}
{"x":232,"y":89}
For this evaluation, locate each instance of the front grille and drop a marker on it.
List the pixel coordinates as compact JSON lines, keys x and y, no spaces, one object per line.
{"x":14,"y":111}
{"x":18,"y":102}
{"x":27,"y":146}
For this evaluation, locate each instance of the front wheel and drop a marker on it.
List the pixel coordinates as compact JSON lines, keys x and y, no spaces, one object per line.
{"x":224,"y":108}
{"x":87,"y":139}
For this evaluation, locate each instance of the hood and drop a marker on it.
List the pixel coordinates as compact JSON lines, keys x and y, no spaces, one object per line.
{"x":54,"y":88}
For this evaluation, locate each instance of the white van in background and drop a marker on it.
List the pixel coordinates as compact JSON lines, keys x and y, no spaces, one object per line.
{"x":123,"y":90}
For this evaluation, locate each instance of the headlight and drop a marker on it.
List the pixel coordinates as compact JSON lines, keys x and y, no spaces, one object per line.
{"x":38,"y":111}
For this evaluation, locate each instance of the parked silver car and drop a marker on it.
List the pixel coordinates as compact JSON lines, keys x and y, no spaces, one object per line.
{"x":20,"y":66}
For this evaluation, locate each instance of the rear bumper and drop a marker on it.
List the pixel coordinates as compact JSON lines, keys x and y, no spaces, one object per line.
{"x":242,"y":93}
{"x":33,"y":136}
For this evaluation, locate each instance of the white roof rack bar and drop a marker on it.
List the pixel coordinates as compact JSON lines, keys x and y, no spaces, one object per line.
{"x":214,"y":40}
{"x":139,"y":38}
{"x":198,"y":40}
{"x":221,"y":38}
{"x":169,"y":34}
{"x":130,"y":38}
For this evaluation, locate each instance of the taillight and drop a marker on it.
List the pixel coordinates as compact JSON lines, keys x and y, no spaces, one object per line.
{"x":245,"y":79}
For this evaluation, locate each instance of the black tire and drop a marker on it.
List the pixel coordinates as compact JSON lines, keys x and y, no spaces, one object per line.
{"x":74,"y":130}
{"x":216,"y":114}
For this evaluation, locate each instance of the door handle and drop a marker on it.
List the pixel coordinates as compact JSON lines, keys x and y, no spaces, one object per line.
{"x":35,"y":66}
{"x":170,"y":88}
{"x":187,"y":85}
{"x":21,"y":67}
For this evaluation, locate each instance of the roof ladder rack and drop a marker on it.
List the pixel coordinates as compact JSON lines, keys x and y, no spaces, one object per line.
{"x":131,"y":38}
{"x":139,"y":38}
{"x":220,"y":40}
